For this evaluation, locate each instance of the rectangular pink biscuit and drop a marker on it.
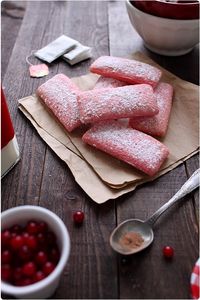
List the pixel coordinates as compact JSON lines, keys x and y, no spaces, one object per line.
{"x":156,"y":125}
{"x":106,"y":82}
{"x":128,"y":70}
{"x":115,"y":103}
{"x":60,"y":94}
{"x":129,"y":145}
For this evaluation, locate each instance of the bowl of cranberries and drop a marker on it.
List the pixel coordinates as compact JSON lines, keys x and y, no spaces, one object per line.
{"x":35,"y":247}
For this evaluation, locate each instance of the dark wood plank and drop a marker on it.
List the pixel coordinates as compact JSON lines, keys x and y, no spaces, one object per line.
{"x":191,"y":165}
{"x":92,"y":269}
{"x":25,"y":178}
{"x":147,"y":275}
{"x":92,"y":241}
{"x":41,"y":178}
{"x":11,"y":18}
{"x":149,"y":269}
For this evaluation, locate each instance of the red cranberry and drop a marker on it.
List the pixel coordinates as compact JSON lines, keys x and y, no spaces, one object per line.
{"x":168,"y":252}
{"x":25,"y":253}
{"x":48,"y":268}
{"x":6,"y":256}
{"x":25,"y":236}
{"x":39,"y":276}
{"x":41,"y":258}
{"x":32,"y":227}
{"x":6,"y":272}
{"x":13,"y":234}
{"x":5,"y":237}
{"x":31,"y":242}
{"x":29,"y":269}
{"x":78,"y":217}
{"x":42,"y":227}
{"x":51,"y":238}
{"x":41,"y":239}
{"x":54,"y":255}
{"x":28,"y":254}
{"x":16,"y":229}
{"x":26,"y":281}
{"x":17,"y":274}
{"x":18,"y":282}
{"x":16,"y":242}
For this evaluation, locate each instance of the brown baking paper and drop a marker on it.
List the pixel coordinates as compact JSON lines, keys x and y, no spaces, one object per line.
{"x":181,"y":138}
{"x":82,"y":172}
{"x":98,"y":173}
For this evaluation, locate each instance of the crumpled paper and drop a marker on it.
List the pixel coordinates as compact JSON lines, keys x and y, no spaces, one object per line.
{"x":101,"y":176}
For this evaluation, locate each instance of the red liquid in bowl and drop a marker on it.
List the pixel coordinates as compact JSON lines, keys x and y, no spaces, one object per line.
{"x":181,"y":10}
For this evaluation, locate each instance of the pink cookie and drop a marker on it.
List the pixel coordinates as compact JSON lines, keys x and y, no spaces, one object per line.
{"x":59,"y":94}
{"x":157,"y":125}
{"x":127,"y":70}
{"x":106,"y":82}
{"x":132,"y":146}
{"x":115,"y":103}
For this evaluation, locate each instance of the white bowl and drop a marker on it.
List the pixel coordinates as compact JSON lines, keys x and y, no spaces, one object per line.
{"x":46,"y":287}
{"x":162,"y":35}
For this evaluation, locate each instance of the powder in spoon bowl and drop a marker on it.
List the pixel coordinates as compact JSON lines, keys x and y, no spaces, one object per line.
{"x":131,"y":240}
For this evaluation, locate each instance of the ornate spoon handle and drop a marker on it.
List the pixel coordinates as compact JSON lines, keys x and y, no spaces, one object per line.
{"x":191,"y":184}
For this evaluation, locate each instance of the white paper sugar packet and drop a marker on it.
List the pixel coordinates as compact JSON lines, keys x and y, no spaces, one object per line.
{"x":77,"y":54}
{"x":56,"y":48}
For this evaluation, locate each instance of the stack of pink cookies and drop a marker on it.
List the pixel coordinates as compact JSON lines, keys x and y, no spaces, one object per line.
{"x":126,"y":89}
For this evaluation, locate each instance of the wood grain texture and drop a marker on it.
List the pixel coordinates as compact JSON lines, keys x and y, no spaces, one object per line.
{"x":191,"y":165}
{"x":168,"y":231}
{"x":11,"y":18}
{"x":91,"y":262}
{"x":94,"y":271}
{"x":26,"y":177}
{"x":90,"y":245}
{"x":148,"y":275}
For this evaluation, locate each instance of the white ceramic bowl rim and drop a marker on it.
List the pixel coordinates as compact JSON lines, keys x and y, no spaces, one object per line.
{"x":65,"y":254}
{"x":160,"y":18}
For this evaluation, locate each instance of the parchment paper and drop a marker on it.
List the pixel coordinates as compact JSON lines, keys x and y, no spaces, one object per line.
{"x":101,"y":176}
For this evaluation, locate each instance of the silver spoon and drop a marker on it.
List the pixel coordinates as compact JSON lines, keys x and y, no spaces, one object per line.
{"x":144,"y":228}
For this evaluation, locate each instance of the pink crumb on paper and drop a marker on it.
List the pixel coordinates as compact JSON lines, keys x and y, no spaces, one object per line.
{"x":129,"y":145}
{"x":128,"y":70}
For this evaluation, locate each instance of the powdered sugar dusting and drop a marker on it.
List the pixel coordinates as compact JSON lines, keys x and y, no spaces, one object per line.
{"x":157,"y":125}
{"x":60,"y":95}
{"x":131,"y":71}
{"x":106,"y":82}
{"x":132,"y":146}
{"x":114,"y":103}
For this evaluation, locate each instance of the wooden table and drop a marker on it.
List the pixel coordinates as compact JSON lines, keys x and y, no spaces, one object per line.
{"x":41,"y":178}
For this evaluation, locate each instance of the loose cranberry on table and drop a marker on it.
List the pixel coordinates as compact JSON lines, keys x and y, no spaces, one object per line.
{"x":78,"y":217}
{"x":168,"y":251}
{"x":28,"y":254}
